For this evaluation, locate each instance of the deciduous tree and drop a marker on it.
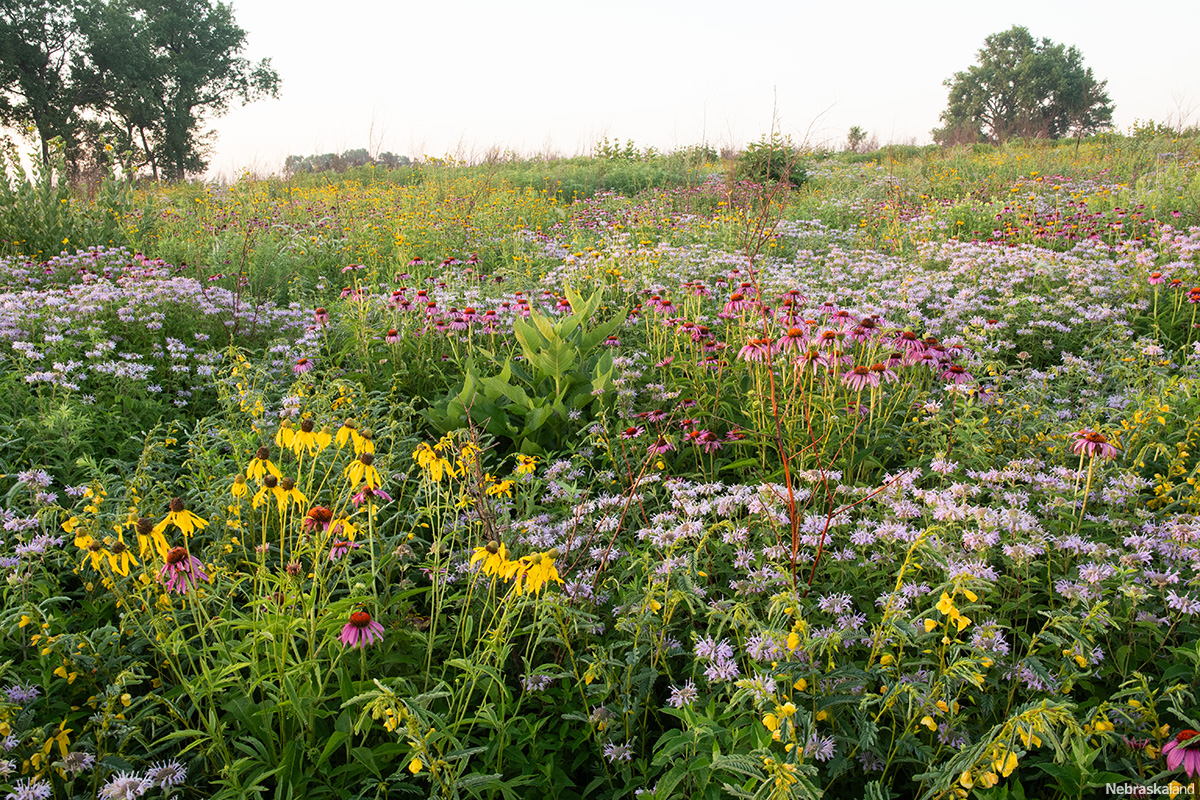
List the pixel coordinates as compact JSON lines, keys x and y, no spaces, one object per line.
{"x":1024,"y":87}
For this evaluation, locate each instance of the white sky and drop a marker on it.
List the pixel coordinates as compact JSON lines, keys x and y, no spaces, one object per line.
{"x":539,"y":76}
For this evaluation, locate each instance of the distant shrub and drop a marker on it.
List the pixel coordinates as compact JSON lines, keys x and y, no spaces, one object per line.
{"x":772,"y":160}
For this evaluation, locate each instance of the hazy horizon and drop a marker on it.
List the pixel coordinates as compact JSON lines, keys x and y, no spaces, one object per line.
{"x":554,"y":78}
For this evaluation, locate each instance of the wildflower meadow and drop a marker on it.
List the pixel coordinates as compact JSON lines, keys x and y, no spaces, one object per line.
{"x":641,"y":475}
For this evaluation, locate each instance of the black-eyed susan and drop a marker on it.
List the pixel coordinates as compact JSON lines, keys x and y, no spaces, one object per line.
{"x":181,"y":518}
{"x":261,"y":465}
{"x":526,"y":465}
{"x":497,"y":488}
{"x":362,"y":471}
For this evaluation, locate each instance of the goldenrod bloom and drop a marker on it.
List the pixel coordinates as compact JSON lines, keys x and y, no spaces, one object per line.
{"x":181,"y":518}
{"x":261,"y":466}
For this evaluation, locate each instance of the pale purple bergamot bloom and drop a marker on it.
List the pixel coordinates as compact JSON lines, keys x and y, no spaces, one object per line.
{"x":29,"y":789}
{"x":166,"y":774}
{"x":125,"y":786}
{"x":683,"y":695}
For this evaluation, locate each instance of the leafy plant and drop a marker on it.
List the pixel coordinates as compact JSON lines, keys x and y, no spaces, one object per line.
{"x":564,"y":371}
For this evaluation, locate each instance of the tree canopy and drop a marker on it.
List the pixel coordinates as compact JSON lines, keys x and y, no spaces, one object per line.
{"x":141,"y":75}
{"x":1024,"y":87}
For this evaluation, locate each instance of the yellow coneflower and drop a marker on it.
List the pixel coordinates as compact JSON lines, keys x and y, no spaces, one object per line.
{"x":270,"y":485}
{"x":363,"y":441}
{"x":537,"y":570}
{"x":120,"y":556}
{"x":307,"y":438}
{"x":181,"y":518}
{"x":239,"y":489}
{"x":432,"y":463}
{"x":289,"y":491}
{"x":285,"y":436}
{"x":362,"y":471}
{"x":348,"y":430}
{"x":149,"y":539}
{"x":261,"y":466}
{"x":94,"y":548}
{"x":495,"y":560}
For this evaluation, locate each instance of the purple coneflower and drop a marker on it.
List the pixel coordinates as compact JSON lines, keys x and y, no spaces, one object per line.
{"x":1091,"y":443}
{"x":794,"y":339}
{"x":957,"y":375}
{"x":303,"y":365}
{"x":662,"y":445}
{"x":321,"y":315}
{"x":361,"y":630}
{"x":181,"y":569}
{"x":633,"y":433}
{"x":367,"y":494}
{"x":392,"y":336}
{"x":1184,"y":751}
{"x":317,"y":517}
{"x":759,"y":350}
{"x":860,"y":378}
{"x":341,"y":547}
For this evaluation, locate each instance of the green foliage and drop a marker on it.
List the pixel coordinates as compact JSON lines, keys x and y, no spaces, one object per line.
{"x":1023,"y":88}
{"x":537,"y":403}
{"x":774,"y":159}
{"x":148,"y":71}
{"x":40,"y":216}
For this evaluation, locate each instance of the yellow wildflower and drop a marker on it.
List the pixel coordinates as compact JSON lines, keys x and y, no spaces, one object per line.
{"x":285,"y":436}
{"x":120,"y":557}
{"x":181,"y":518}
{"x":362,"y":470}
{"x":260,"y":466}
{"x":536,"y":571}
